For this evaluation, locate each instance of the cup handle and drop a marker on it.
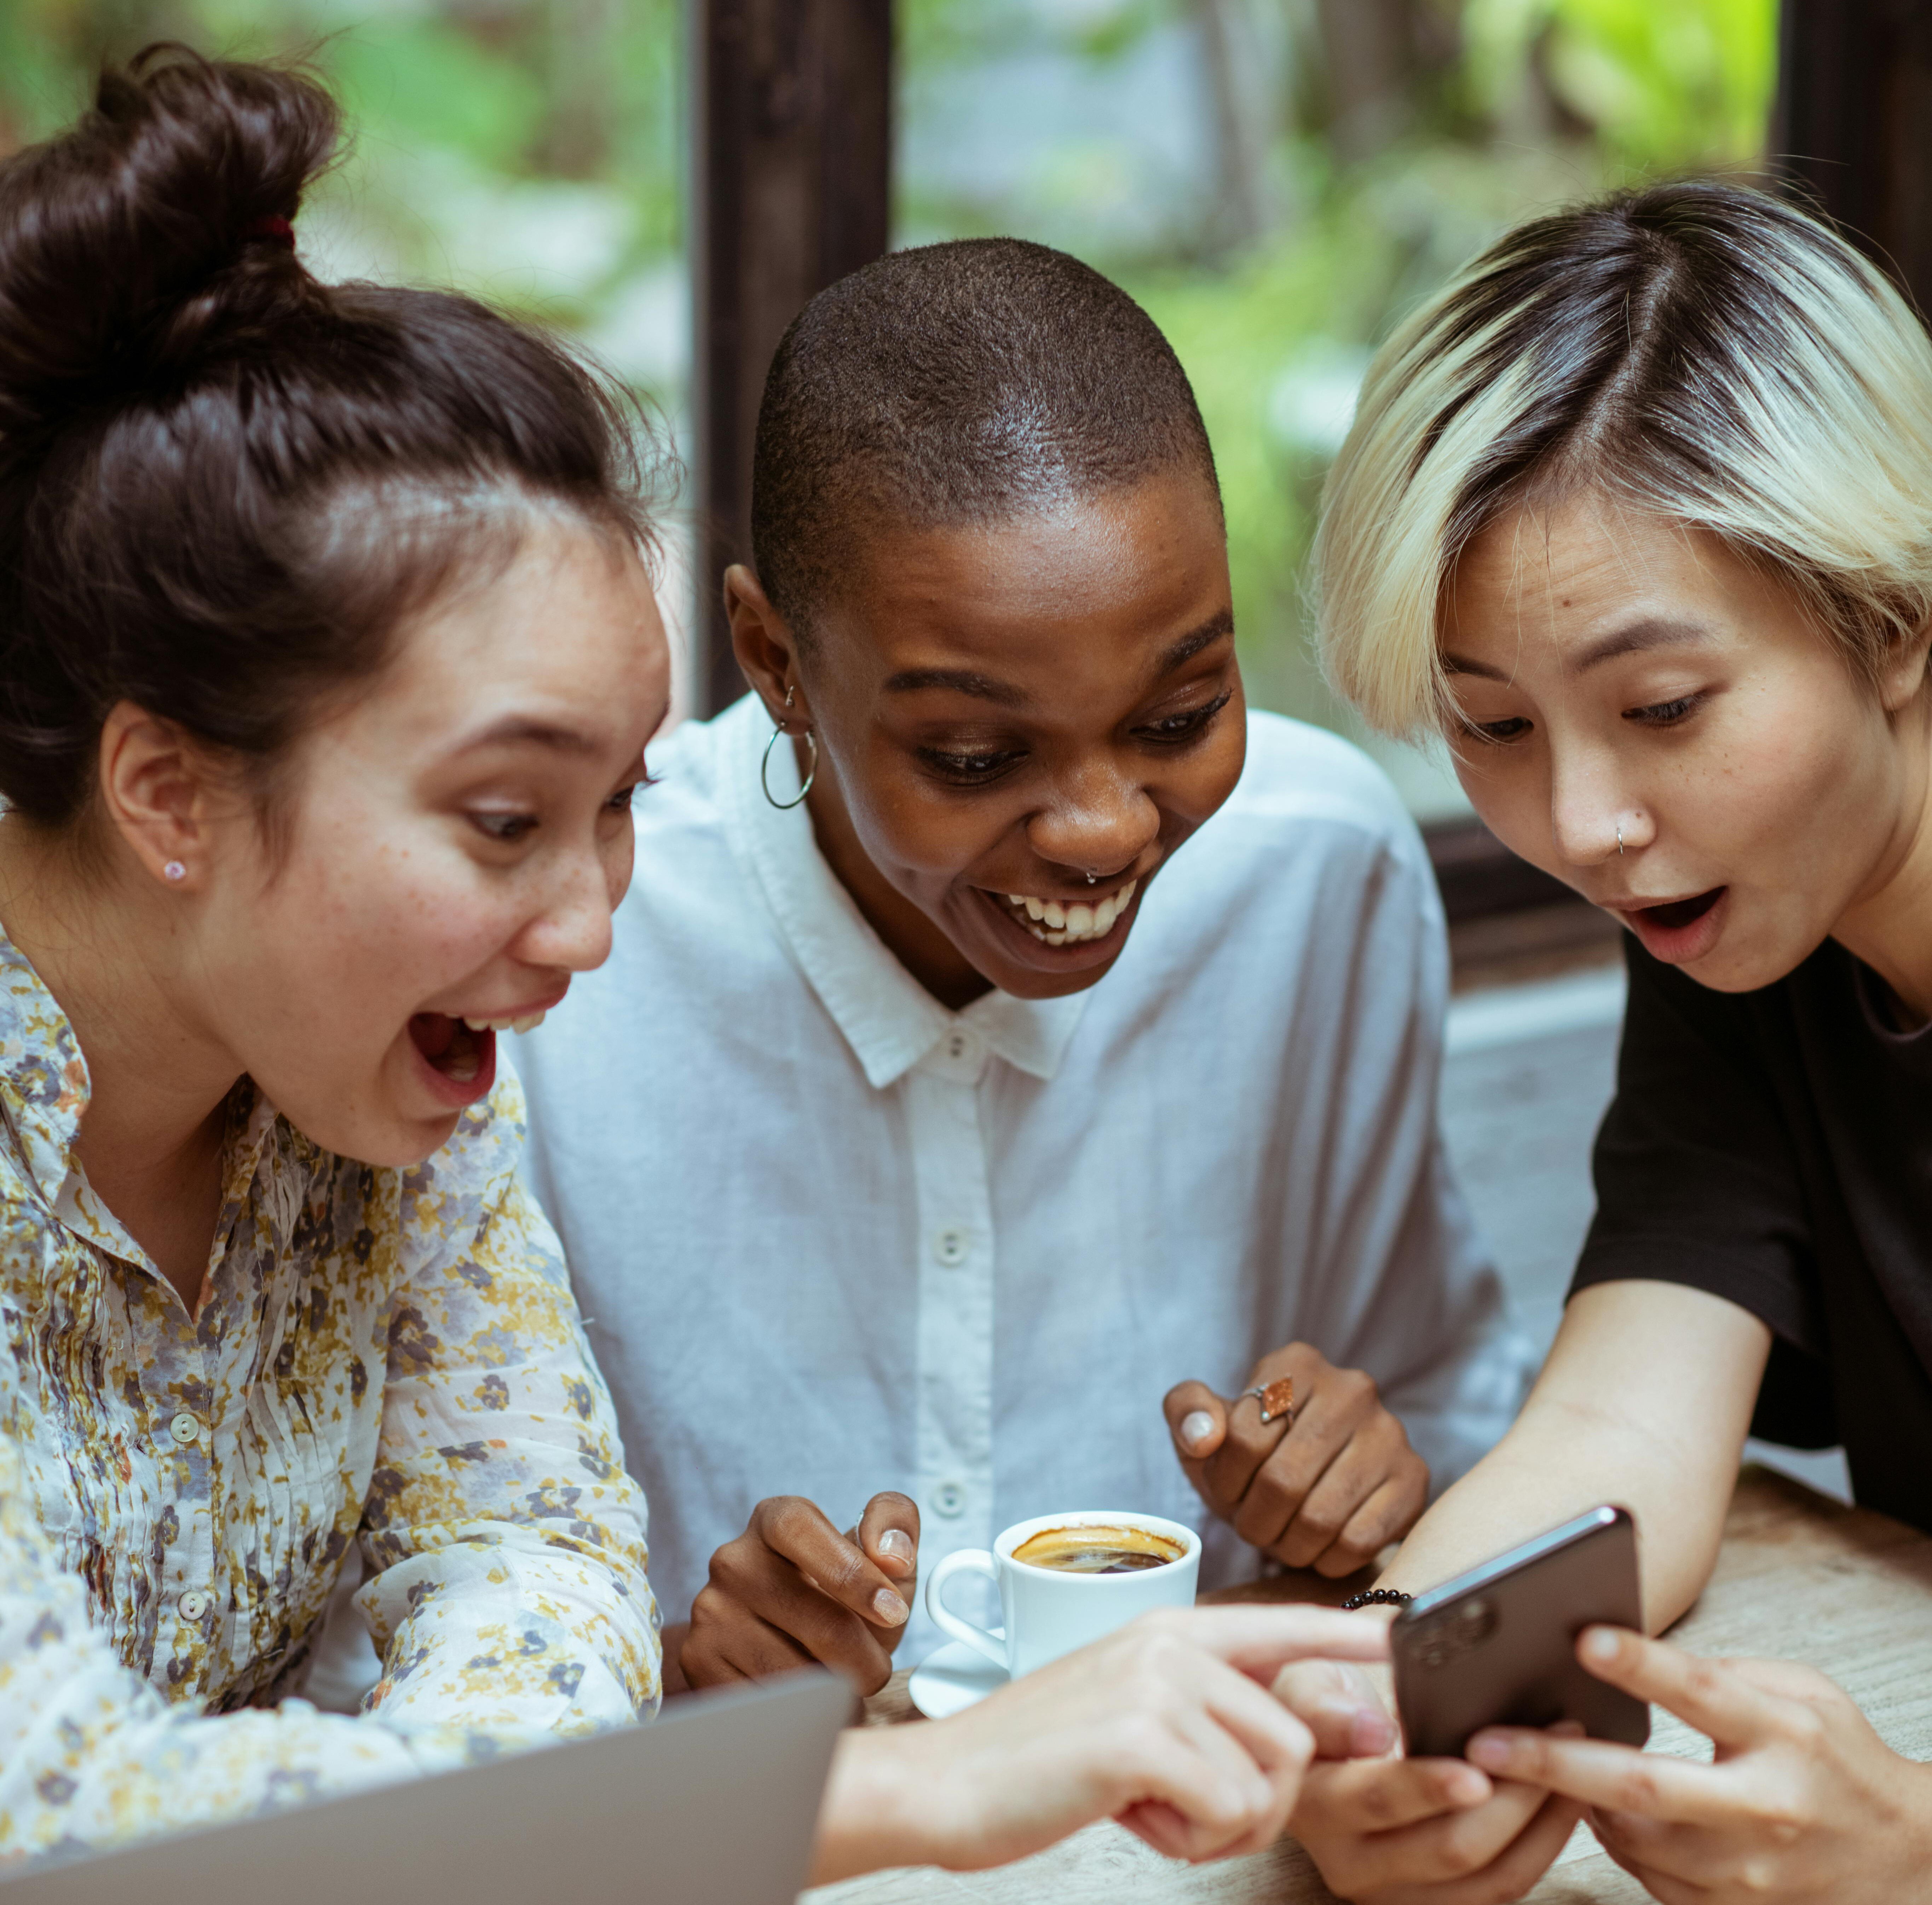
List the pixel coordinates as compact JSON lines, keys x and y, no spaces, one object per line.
{"x":966,"y":1560}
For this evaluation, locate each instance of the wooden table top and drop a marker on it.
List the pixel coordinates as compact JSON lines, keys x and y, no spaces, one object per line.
{"x":1800,"y":1577}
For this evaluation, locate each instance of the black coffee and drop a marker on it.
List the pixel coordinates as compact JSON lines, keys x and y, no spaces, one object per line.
{"x":1098,"y":1549}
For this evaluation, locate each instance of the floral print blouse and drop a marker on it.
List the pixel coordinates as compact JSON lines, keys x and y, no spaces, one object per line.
{"x":390,"y":1357}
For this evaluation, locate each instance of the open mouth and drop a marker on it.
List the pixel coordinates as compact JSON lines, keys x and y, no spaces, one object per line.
{"x":1062,"y":922}
{"x":462,"y":1054}
{"x":1675,"y":915}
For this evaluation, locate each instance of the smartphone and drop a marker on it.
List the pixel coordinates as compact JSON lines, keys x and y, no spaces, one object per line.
{"x":1497,"y":1646}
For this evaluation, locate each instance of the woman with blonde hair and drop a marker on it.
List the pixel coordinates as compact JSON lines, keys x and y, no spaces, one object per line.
{"x":1637,"y":515}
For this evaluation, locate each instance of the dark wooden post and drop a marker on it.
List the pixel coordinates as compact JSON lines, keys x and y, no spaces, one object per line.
{"x":793,"y":127}
{"x":1853,"y":127}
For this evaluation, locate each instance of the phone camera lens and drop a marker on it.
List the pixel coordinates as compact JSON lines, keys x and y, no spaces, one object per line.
{"x":1474,"y":1622}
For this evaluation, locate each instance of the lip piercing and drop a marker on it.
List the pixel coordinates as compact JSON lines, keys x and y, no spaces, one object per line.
{"x":174,"y":870}
{"x":1620,"y":836}
{"x":1089,"y":879}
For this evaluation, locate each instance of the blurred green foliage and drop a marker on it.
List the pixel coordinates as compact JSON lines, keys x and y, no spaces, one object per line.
{"x":475,"y":125}
{"x":1508,"y":107}
{"x":532,"y":149}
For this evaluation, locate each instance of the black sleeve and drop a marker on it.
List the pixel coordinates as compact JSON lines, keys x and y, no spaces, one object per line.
{"x":1697,"y":1181}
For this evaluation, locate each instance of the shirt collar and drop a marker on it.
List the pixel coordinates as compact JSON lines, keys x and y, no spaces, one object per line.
{"x":889,"y":1018}
{"x":44,"y":1091}
{"x":43,"y":1082}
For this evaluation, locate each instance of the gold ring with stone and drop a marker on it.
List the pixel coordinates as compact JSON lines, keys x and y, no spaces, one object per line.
{"x":1276,"y":1398}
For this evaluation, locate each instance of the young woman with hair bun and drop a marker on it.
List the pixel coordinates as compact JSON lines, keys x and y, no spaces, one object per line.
{"x":1635,"y":516}
{"x":327,"y":656}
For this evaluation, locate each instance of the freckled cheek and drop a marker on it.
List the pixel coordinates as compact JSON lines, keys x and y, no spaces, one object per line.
{"x":370,"y":943}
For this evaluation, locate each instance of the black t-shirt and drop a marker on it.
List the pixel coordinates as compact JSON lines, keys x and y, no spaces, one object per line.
{"x":1774,"y":1148}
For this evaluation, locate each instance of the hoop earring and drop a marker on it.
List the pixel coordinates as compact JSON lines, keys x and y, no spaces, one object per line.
{"x":765,"y":764}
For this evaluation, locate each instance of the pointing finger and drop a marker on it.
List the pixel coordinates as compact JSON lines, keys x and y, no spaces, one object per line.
{"x":1261,"y":1640}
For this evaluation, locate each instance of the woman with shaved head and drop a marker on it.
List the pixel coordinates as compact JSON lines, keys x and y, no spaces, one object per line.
{"x":1052,"y":1119}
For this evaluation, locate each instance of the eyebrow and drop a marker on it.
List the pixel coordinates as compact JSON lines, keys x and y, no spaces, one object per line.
{"x":1635,"y":638}
{"x":523,"y":728}
{"x":960,"y":681}
{"x":1218,"y":628}
{"x":983,"y":687}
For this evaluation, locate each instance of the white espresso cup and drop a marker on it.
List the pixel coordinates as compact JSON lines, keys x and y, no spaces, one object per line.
{"x":1051,"y":1611}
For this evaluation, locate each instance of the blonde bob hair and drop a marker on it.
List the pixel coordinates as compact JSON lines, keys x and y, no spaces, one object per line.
{"x":1700,"y":350}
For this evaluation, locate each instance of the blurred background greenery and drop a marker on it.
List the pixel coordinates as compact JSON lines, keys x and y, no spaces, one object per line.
{"x":1277,"y":180}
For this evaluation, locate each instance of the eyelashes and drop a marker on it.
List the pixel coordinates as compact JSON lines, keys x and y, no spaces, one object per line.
{"x":512,"y":829}
{"x":1653,"y":714}
{"x":1173,"y":731}
{"x":1666,"y":714}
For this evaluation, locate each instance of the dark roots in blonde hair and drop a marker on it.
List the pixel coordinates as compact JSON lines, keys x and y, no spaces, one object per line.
{"x":1698,"y":350}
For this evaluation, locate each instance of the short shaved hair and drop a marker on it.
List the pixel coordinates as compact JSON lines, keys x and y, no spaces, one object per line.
{"x":958,"y":384}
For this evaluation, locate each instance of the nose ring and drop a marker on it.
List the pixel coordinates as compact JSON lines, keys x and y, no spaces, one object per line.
{"x":1620,"y":836}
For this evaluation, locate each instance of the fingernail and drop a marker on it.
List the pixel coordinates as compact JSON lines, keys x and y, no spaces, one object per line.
{"x":1196,"y":1426}
{"x":888,"y":1607}
{"x":897,"y":1544}
{"x":1601,"y":1643}
{"x":1489,"y":1749}
{"x":1370,"y":1733}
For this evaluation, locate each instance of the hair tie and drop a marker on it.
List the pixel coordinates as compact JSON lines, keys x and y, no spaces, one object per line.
{"x":275,"y":229}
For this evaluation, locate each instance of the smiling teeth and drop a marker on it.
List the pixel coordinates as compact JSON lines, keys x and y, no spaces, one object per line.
{"x":528,"y":1022}
{"x":1055,"y":925}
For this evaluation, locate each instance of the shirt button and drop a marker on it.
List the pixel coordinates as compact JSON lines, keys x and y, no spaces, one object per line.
{"x":950,"y":1247}
{"x":193,"y":1604}
{"x":955,"y":1046}
{"x":185,"y":1428}
{"x":948,"y":1499}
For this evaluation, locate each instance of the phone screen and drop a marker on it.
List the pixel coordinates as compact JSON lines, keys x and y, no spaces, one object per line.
{"x":1497,"y":1646}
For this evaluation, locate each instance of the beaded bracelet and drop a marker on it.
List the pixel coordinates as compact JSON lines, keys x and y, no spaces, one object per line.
{"x":1377,"y":1597}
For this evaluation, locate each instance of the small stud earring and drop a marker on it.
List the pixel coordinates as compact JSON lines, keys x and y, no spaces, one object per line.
{"x":174,"y":870}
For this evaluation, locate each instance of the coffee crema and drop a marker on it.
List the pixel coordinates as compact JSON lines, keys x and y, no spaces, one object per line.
{"x":1094,"y":1547}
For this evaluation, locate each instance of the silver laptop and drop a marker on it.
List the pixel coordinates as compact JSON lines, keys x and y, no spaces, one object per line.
{"x":713,"y":1804}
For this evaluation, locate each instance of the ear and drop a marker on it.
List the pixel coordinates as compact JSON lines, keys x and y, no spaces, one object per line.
{"x":155,"y":786}
{"x":1902,"y":678}
{"x":766,"y":649}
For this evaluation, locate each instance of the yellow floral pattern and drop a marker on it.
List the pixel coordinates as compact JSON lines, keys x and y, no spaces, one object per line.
{"x":390,"y":1356}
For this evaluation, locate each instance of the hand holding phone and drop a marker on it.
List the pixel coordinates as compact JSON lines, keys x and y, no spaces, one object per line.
{"x":1497,"y":1646}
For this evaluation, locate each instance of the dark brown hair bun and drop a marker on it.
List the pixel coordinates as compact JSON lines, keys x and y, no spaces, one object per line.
{"x":124,"y":245}
{"x":223,"y":484}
